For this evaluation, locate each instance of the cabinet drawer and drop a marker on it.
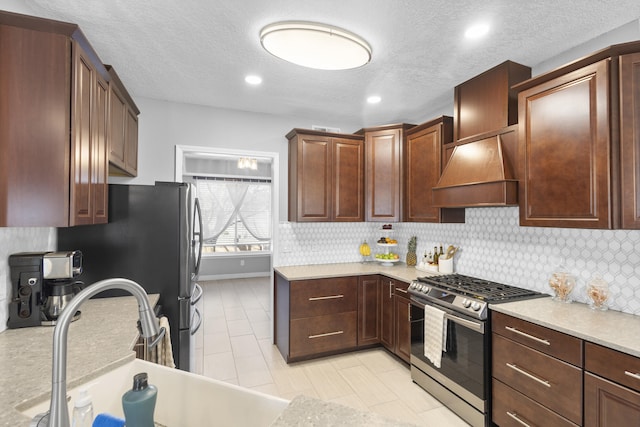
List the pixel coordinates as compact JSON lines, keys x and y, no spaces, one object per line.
{"x":323,"y":334}
{"x":549,"y":381}
{"x":514,"y":409}
{"x":607,"y":404}
{"x":543,"y":339}
{"x":310,"y":298}
{"x":611,"y":364}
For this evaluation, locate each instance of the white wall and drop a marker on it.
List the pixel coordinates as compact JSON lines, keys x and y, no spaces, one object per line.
{"x":18,"y":6}
{"x":626,"y":33}
{"x":163,"y":125}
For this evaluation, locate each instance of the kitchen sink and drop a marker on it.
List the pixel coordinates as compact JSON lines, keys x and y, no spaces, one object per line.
{"x":184,"y":399}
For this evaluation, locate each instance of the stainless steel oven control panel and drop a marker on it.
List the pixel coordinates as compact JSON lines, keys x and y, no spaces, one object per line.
{"x":473,"y":307}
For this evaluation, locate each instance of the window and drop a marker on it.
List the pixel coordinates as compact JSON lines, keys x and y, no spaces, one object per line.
{"x":236,"y":214}
{"x":237,"y":191}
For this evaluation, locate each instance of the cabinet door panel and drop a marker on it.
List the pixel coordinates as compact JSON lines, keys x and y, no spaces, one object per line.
{"x":81,"y":196}
{"x":368,"y":310}
{"x":387,"y":310}
{"x":383,"y":175}
{"x":564,"y":133}
{"x":314,"y":179}
{"x":423,"y":155}
{"x":630,"y":139}
{"x":99,"y":159}
{"x":118,"y":111}
{"x":348,"y":180}
{"x":34,"y":153}
{"x":131,"y":143}
{"x":403,"y":328}
{"x":607,"y":404}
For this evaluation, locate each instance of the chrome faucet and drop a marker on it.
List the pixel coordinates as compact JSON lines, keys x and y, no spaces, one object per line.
{"x":58,"y":415}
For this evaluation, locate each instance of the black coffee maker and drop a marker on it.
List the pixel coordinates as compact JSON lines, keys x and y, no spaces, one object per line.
{"x":42,"y":284}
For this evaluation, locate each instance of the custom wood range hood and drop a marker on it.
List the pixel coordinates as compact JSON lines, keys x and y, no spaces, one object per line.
{"x":477,"y":174}
{"x":481,"y":165}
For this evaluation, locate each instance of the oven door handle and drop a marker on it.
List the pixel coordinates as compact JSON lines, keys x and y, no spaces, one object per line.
{"x":477,"y":327}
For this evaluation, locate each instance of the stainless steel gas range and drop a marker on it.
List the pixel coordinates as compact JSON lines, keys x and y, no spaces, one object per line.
{"x":460,"y":373}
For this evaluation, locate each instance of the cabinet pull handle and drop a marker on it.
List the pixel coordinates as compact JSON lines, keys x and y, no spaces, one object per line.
{"x":328,"y":334}
{"x":524,"y":334}
{"x":527,"y":374}
{"x":402,"y":290}
{"x":327,"y":297}
{"x":390,"y":290}
{"x":409,"y":312}
{"x":632,"y":375}
{"x":517,"y":419}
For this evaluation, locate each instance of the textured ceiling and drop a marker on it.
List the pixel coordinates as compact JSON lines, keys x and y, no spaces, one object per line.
{"x":198,"y":51}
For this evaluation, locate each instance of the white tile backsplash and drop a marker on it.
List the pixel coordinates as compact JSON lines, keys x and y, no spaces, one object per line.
{"x":493,"y":246}
{"x":18,"y":239}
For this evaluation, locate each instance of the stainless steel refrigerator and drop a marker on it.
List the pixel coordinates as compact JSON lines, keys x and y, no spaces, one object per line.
{"x":154,"y":238}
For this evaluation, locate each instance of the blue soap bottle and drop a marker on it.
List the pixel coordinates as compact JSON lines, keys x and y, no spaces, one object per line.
{"x":139,"y":403}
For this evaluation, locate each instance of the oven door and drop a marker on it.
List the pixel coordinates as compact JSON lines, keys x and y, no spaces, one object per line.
{"x":464,"y":369}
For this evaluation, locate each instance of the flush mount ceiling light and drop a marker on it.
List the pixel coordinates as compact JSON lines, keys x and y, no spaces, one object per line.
{"x":314,"y":45}
{"x":374,"y":99}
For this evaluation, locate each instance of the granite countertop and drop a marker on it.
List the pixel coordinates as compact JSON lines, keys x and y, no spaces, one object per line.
{"x":613,"y":329}
{"x":310,"y":412}
{"x":102,"y":339}
{"x":399,"y":271}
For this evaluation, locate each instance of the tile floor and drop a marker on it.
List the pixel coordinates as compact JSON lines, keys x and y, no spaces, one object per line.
{"x":234,"y":345}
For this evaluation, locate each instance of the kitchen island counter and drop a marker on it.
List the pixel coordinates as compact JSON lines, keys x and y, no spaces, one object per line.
{"x":612,"y":329}
{"x":102,"y":339}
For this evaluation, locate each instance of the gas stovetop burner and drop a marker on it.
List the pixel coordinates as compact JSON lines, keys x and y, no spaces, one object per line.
{"x":481,"y":289}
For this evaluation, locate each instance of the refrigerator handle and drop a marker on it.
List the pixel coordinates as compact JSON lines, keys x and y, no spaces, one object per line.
{"x":197,"y":294}
{"x":197,"y":216}
{"x":195,"y":325}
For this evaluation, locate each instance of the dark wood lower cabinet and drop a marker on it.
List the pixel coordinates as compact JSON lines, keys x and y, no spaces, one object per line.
{"x":403,"y":329}
{"x":323,"y":334}
{"x":369,"y":310}
{"x":514,"y":409}
{"x":318,"y":317}
{"x":607,"y":404}
{"x":386,"y":317}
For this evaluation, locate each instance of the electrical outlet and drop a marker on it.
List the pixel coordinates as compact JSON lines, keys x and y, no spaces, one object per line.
{"x":241,"y":263}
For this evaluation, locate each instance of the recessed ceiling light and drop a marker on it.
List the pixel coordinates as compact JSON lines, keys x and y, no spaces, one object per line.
{"x":314,"y":45}
{"x":476,"y":31}
{"x":253,"y":80}
{"x":374,"y":99}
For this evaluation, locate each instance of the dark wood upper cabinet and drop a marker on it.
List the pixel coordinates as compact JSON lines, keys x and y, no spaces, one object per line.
{"x":566,"y":150}
{"x":384,"y":166}
{"x":579,"y":143}
{"x":123,"y":132}
{"x":326,"y":176}
{"x":487,"y":102}
{"x":630,"y":140}
{"x":53,"y":117}
{"x":423,"y":166}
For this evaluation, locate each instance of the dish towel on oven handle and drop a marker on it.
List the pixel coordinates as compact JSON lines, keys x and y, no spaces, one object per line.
{"x":435,"y":334}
